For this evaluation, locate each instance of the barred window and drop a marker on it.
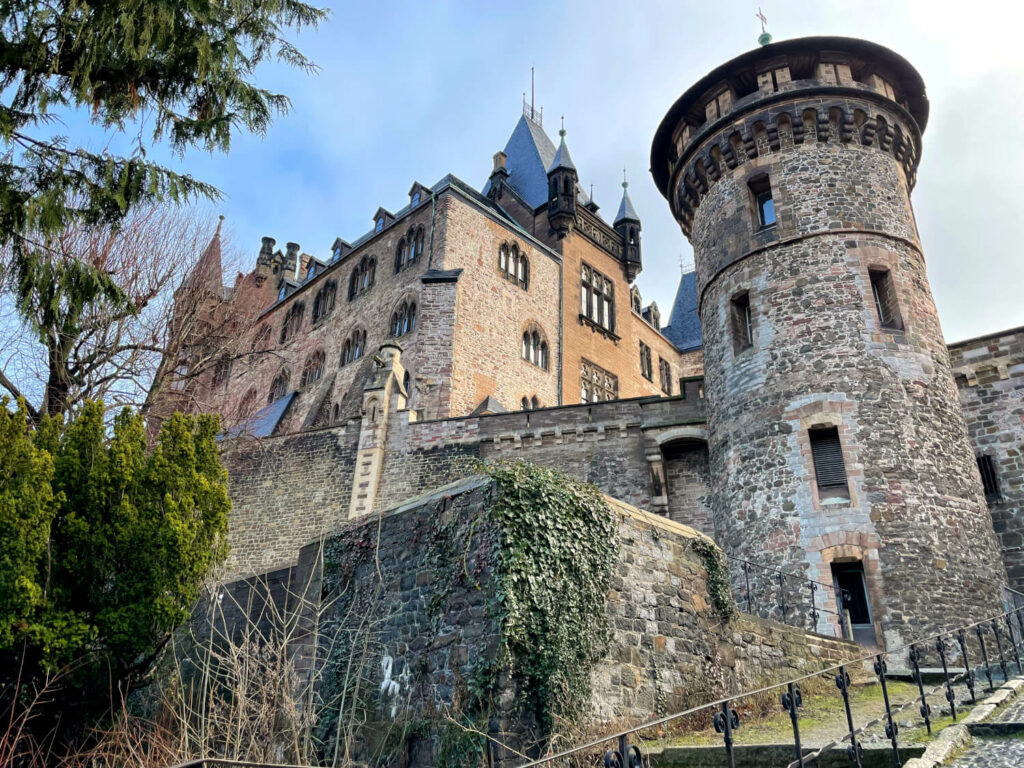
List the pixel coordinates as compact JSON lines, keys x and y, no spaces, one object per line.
{"x":665,"y":374}
{"x":989,"y":478}
{"x":513,"y":265}
{"x":292,"y":321}
{"x":597,"y":384}
{"x":597,"y":298}
{"x":645,"y":362}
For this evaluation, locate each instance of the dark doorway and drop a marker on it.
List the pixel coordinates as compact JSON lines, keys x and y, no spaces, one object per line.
{"x":849,"y":577}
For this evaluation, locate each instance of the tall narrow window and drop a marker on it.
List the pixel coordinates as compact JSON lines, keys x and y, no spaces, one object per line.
{"x":883,"y":291}
{"x":514,"y":265}
{"x":989,"y":479}
{"x":597,"y":298}
{"x":645,"y":362}
{"x":535,"y":347}
{"x":665,"y":374}
{"x":829,"y":467}
{"x":742,"y":322}
{"x":764,"y":203}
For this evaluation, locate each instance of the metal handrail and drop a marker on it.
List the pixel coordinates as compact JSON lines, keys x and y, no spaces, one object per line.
{"x":878,"y":658}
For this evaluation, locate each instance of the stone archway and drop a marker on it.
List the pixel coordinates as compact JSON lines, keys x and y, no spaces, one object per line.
{"x":683,"y":452}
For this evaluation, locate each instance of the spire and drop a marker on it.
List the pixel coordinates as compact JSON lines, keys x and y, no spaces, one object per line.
{"x":206,"y":274}
{"x":562,"y":158}
{"x":626,"y":210}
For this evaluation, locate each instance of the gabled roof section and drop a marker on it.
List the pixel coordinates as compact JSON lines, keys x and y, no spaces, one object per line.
{"x":529,"y":154}
{"x":207,"y":274}
{"x":684,"y":328}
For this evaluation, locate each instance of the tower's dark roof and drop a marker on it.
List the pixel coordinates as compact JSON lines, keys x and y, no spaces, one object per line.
{"x":626,"y":209}
{"x":529,"y":154}
{"x":742,"y":71}
{"x":562,"y":158}
{"x":684,"y":328}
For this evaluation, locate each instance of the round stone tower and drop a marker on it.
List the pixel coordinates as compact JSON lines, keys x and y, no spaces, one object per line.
{"x":838,"y":448}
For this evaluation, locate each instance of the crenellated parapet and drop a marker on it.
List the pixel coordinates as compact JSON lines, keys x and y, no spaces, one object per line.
{"x":810,"y":91}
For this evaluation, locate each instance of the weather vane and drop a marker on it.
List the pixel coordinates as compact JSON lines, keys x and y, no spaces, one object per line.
{"x":765,"y":37}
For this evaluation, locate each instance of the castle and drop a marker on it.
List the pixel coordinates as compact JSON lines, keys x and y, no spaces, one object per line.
{"x":800,"y":407}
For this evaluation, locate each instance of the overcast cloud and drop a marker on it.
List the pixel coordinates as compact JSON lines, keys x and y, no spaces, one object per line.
{"x":412,"y":91}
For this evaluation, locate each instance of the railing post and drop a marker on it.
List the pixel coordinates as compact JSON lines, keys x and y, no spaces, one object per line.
{"x":814,"y":606}
{"x":625,"y":756}
{"x":854,"y":751}
{"x":1020,"y":625}
{"x":1014,"y":644}
{"x":726,"y":722}
{"x":926,"y":711}
{"x":999,"y":647}
{"x":746,"y":575}
{"x":969,"y":676}
{"x":782,"y":597}
{"x":891,"y":728}
{"x":940,"y":646}
{"x":791,"y":700}
{"x":984,"y":658}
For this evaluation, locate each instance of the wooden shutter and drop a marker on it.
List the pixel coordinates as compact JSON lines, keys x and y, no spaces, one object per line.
{"x":829,"y":467}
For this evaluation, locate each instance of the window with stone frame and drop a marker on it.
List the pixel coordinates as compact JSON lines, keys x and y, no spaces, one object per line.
{"x":883,"y":293}
{"x":597,"y":298}
{"x":665,"y":374}
{"x":323,"y":304}
{"x":354,"y":347}
{"x":513,"y":265}
{"x":362,"y":278}
{"x":409,"y":249}
{"x":741,"y":320}
{"x":279,"y":387}
{"x":314,"y":367}
{"x":635,"y":300}
{"x":646,"y":369}
{"x":989,"y":478}
{"x":764,"y":202}
{"x":222,"y":372}
{"x":247,"y":404}
{"x":535,"y":347}
{"x":829,"y":465}
{"x":597,"y":384}
{"x":403,"y":319}
{"x":292,"y":321}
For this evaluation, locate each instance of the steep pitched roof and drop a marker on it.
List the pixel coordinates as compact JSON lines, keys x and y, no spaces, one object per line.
{"x":562,"y":158}
{"x":207,"y":274}
{"x":684,"y":328}
{"x":529,"y":153}
{"x":626,"y":210}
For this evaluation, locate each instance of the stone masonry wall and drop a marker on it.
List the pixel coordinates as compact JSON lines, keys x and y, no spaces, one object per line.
{"x":990,"y":375}
{"x":915,"y":513}
{"x":670,"y":648}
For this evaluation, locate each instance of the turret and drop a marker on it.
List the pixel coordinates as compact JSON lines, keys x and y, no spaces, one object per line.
{"x":835,"y":429}
{"x":627,"y":224}
{"x":562,"y":179}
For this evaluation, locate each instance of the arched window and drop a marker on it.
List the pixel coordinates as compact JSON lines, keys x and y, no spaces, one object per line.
{"x":419,"y":243}
{"x":535,"y":347}
{"x":401,"y":255}
{"x":362,"y":277}
{"x":513,"y":265}
{"x":324,"y":301}
{"x":245,"y":407}
{"x":314,"y":368}
{"x":292,"y":321}
{"x":279,"y":387}
{"x":221,"y":372}
{"x":534,"y":402}
{"x":336,"y":413}
{"x":524,"y":404}
{"x":354,"y":346}
{"x":403,"y":319}
{"x":407,"y":386}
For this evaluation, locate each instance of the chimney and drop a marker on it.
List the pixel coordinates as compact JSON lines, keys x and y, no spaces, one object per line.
{"x":267,"y":249}
{"x":499,"y":160}
{"x":292,"y":256}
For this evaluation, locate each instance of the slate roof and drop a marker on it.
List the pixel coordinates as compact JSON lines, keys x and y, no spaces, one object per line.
{"x":562,"y":157}
{"x":684,"y":328}
{"x":263,"y":422}
{"x":529,"y":153}
{"x":626,"y":209}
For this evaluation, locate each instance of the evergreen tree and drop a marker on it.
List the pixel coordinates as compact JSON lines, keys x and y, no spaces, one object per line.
{"x":103,"y":543}
{"x":186,"y":69}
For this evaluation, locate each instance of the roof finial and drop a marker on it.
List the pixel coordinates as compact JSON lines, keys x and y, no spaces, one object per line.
{"x":531,"y":94}
{"x":561,"y":131}
{"x":625,"y":184}
{"x":764,"y":38}
{"x":591,"y":191}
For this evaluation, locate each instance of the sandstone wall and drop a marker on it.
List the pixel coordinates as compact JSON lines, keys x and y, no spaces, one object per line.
{"x":990,"y":375}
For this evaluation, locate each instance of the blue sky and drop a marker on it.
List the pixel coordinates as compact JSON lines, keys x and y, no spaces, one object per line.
{"x":411,"y":91}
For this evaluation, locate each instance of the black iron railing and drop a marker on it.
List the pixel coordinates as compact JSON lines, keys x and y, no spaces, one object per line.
{"x":772,"y":593}
{"x":969,"y":645}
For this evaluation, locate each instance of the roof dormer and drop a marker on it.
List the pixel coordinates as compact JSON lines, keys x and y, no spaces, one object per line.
{"x":381,"y":219}
{"x":418,"y":194}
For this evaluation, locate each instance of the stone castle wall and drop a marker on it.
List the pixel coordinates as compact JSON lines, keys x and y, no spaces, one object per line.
{"x":990,"y":375}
